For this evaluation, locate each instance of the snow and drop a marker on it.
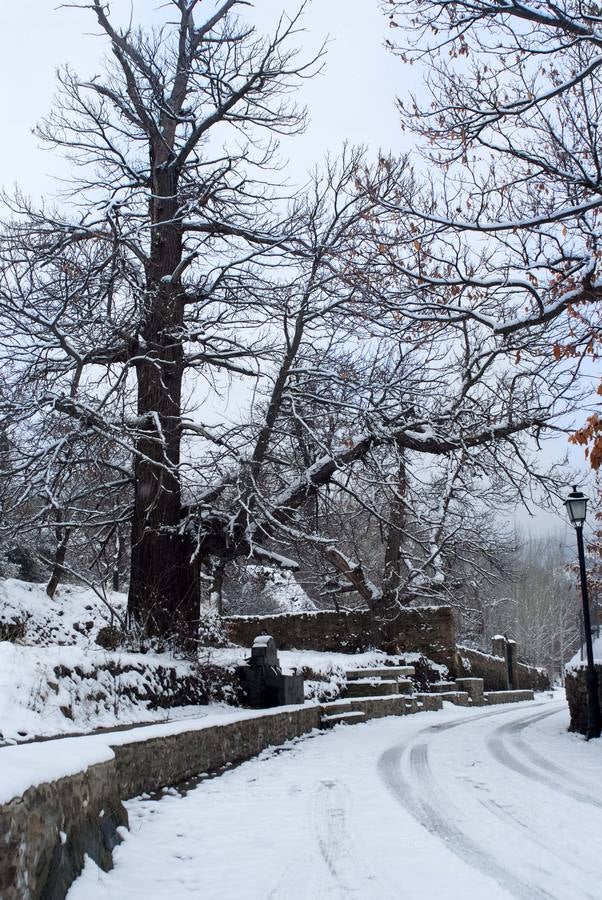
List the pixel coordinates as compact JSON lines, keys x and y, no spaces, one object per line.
{"x":276,"y":589}
{"x":579,"y":660}
{"x":213,"y":718}
{"x":324,"y":662}
{"x":73,"y":617}
{"x":27,"y":766}
{"x":55,"y":679}
{"x":35,"y":702}
{"x":452,"y":805}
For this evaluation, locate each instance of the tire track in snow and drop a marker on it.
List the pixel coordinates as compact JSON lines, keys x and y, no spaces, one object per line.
{"x":348,"y":876}
{"x":497,"y":747}
{"x":438,"y":815}
{"x":516,"y":733}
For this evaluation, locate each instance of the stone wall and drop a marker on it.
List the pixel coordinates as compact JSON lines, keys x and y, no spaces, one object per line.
{"x":146,"y":765}
{"x":46,"y":830}
{"x":493,"y":669}
{"x":429,"y":630}
{"x":576,"y":695}
{"x":531,"y":678}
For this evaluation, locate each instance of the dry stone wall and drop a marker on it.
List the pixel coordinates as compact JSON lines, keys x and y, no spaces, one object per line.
{"x":429,"y":630}
{"x":493,"y":670}
{"x":46,"y":831}
{"x":576,"y":695}
{"x":146,"y":765}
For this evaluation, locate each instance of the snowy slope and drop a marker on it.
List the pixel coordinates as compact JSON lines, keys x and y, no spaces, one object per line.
{"x":54,"y":677}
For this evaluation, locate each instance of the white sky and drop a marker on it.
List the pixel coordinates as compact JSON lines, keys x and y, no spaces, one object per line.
{"x":353,"y":98}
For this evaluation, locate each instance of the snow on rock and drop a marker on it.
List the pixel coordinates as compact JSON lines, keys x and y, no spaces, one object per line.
{"x":47,"y":691}
{"x":73,"y":616}
{"x":25,"y":767}
{"x":55,"y":679}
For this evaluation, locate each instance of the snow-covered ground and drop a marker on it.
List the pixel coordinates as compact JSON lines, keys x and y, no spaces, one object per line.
{"x":55,"y":679}
{"x":34,"y":702}
{"x":461,"y":804}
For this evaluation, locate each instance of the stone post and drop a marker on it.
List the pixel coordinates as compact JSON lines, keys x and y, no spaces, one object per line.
{"x":499,"y":647}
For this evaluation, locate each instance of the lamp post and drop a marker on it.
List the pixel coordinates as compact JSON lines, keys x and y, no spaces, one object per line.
{"x":576,"y":505}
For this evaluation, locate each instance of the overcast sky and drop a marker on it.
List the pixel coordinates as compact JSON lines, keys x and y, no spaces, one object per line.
{"x":352,"y":99}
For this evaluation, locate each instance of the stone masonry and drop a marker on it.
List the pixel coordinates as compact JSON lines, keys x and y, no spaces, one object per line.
{"x":429,"y":630}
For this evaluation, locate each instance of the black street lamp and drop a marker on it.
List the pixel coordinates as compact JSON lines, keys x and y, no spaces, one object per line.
{"x":576,"y":505}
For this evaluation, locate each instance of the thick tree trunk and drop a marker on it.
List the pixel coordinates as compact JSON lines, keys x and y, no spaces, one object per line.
{"x":164,"y":586}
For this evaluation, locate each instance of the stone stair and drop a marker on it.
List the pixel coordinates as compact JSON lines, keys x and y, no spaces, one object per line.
{"x":460,"y":698}
{"x":387,"y":672}
{"x":387,"y":681}
{"x":443,"y":687}
{"x":371,"y":687}
{"x":389,"y":691}
{"x":340,"y":712}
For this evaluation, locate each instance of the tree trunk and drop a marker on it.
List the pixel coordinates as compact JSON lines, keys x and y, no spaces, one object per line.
{"x":63,"y":535}
{"x":164,"y":590}
{"x":392,"y":566}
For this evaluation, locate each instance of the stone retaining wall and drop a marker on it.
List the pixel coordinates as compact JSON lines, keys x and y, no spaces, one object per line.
{"x":430,"y":630}
{"x":507,"y":696}
{"x":576,"y":695}
{"x":148,"y":765}
{"x":46,"y":831}
{"x":493,"y":670}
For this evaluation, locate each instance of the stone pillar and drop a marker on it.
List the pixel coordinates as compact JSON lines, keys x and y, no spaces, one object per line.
{"x":513,"y":671}
{"x":474,"y":687}
{"x":499,"y":647}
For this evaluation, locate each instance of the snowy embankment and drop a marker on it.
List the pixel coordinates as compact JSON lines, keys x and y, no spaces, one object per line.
{"x":94,"y":689}
{"x":457,"y":804}
{"x":55,"y":678}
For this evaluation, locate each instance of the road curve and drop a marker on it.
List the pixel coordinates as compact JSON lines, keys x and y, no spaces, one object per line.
{"x":481,"y":823}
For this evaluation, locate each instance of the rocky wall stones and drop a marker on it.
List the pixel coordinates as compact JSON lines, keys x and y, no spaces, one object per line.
{"x":576,"y":694}
{"x":145,"y":766}
{"x":429,"y":630}
{"x":494,"y":671}
{"x":45,"y":833}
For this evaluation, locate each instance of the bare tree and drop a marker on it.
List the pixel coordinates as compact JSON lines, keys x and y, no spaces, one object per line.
{"x":175,"y":221}
{"x":176,"y":270}
{"x":509,"y":121}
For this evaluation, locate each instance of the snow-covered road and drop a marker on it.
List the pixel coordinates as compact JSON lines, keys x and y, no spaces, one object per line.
{"x":492,"y":803}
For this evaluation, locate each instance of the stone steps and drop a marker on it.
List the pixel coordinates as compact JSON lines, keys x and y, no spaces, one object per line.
{"x":429,"y":702}
{"x":387,"y":672}
{"x":377,"y":707}
{"x":439,"y":687}
{"x":353,"y":717}
{"x":373,"y":687}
